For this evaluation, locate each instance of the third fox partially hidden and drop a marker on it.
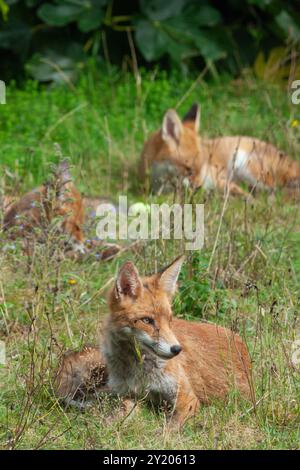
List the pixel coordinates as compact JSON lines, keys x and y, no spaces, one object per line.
{"x":57,"y":197}
{"x":220,"y":163}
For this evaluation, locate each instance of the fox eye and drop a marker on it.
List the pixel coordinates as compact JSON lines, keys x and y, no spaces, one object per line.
{"x":148,"y":320}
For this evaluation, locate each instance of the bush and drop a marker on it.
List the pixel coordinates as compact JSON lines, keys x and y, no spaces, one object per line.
{"x":54,"y":39}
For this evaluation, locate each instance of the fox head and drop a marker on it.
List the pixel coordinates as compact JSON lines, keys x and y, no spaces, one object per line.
{"x":141,"y":312}
{"x":68,"y":205}
{"x":180,"y":143}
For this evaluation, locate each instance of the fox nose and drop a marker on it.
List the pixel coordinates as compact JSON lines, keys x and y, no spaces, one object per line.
{"x":175,"y":349}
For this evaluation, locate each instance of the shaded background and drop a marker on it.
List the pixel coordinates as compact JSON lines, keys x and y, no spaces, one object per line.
{"x":52,"y":40}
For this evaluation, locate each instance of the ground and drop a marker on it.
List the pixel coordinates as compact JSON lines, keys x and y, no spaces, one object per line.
{"x":246,"y":276}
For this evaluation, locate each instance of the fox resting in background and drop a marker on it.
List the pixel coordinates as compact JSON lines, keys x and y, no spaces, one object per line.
{"x":221,"y":163}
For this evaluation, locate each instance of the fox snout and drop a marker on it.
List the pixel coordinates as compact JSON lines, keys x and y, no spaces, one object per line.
{"x":160,"y":347}
{"x":167,"y":351}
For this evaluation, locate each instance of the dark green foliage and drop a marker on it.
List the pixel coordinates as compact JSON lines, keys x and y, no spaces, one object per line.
{"x":56,"y":37}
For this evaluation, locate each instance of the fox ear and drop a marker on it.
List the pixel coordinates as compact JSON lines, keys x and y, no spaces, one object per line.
{"x":128,"y":282}
{"x":169,"y":275}
{"x":171,"y":127}
{"x":193,"y":116}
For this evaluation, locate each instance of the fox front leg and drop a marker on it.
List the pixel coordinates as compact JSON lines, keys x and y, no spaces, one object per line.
{"x":186,"y":407}
{"x":219,"y":179}
{"x":234,"y":189}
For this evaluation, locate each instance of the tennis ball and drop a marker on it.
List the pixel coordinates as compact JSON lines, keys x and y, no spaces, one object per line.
{"x":139,"y":208}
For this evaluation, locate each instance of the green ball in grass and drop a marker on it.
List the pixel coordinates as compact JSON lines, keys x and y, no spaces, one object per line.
{"x":139,"y":208}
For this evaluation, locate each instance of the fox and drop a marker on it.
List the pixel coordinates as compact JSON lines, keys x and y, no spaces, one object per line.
{"x":80,"y":375}
{"x":220,"y":163}
{"x":151,"y":355}
{"x":57,"y":198}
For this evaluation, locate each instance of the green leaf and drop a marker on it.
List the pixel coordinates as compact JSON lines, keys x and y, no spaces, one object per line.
{"x":4,"y":8}
{"x":181,"y":26}
{"x":90,"y":20}
{"x":42,"y":70}
{"x":260,"y":3}
{"x":159,"y":10}
{"x":97,"y":3}
{"x":55,"y":66}
{"x":180,"y":37}
{"x":202,"y":15}
{"x":59,"y":15}
{"x":211,"y":44}
{"x":151,"y":40}
{"x":157,"y":39}
{"x":32,"y":3}
{"x":15,"y":35}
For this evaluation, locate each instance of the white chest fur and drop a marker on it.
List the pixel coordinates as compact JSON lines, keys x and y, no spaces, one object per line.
{"x":239,"y":167}
{"x":139,"y":377}
{"x":239,"y":162}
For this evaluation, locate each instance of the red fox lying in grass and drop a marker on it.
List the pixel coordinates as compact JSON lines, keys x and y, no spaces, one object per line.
{"x":57,"y":198}
{"x":223,"y":162}
{"x":150,"y":354}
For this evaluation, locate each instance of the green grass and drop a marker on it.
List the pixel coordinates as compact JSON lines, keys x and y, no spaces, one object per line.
{"x":252,"y":284}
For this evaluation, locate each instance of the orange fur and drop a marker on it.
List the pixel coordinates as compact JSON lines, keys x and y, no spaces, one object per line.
{"x":142,"y":344}
{"x":220,"y":163}
{"x":80,"y":373}
{"x":7,"y":202}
